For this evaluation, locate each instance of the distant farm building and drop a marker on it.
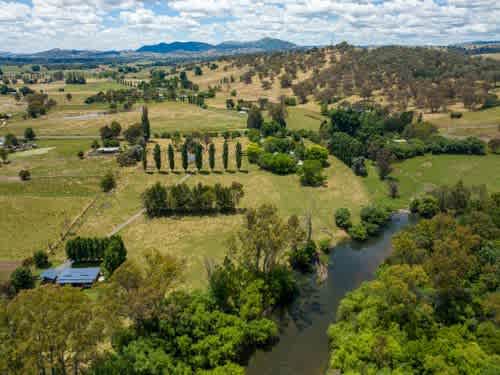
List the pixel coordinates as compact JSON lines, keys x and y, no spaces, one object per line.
{"x":108,"y":150}
{"x":84,"y":277}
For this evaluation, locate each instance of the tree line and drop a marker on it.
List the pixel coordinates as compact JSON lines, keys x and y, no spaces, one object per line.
{"x":200,"y":199}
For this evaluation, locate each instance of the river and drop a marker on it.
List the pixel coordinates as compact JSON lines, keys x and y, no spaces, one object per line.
{"x":303,"y":345}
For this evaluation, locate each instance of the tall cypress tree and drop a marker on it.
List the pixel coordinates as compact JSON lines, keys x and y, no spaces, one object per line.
{"x":171,"y":157}
{"x":211,"y":156}
{"x":184,"y":153}
{"x":239,"y":155}
{"x":225,"y":154}
{"x":157,"y":156}
{"x":145,"y":159}
{"x":146,"y":128}
{"x":198,"y":156}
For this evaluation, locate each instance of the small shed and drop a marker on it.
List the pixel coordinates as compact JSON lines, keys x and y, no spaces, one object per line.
{"x":108,"y":150}
{"x":79,"y":276}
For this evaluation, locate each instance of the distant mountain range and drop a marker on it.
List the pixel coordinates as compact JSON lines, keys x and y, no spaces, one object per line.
{"x":175,"y":50}
{"x":266,"y":44}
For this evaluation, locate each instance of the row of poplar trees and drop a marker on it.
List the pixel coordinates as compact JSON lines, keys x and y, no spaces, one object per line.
{"x":198,"y":154}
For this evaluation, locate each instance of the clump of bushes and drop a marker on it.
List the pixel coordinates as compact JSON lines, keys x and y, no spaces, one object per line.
{"x":24,"y":175}
{"x":359,"y":167}
{"x":278,"y":163}
{"x":358,"y":232}
{"x":311,"y":173}
{"x":41,"y":259}
{"x":303,"y":257}
{"x":426,"y":206}
{"x":130,"y":156}
{"x":108,"y":182}
{"x":343,"y":218}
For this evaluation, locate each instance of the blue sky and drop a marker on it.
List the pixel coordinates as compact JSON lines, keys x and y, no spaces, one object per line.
{"x":34,"y":25}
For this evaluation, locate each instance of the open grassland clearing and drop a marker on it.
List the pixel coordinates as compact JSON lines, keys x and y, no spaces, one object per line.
{"x":164,"y":116}
{"x":421,"y":174}
{"x":484,"y":123}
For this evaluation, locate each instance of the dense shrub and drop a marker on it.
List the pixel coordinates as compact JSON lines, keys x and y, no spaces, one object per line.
{"x":162,"y":200}
{"x":130,"y":156}
{"x":108,"y":182}
{"x":303,"y":257}
{"x":343,"y":218}
{"x":24,"y":175}
{"x":22,"y":278}
{"x":407,"y":150}
{"x":359,"y":167}
{"x":114,"y":255}
{"x":345,"y":147}
{"x":358,"y":232}
{"x":41,"y":259}
{"x":426,"y":206}
{"x":311,"y":173}
{"x":277,"y":163}
{"x":317,"y":152}
{"x":374,"y":218}
{"x":253,"y":153}
{"x":468,"y":146}
{"x":282,"y":145}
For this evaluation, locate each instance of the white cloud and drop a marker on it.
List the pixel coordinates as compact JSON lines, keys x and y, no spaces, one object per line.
{"x":123,"y":24}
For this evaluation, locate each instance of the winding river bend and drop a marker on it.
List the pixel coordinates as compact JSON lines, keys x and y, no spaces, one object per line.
{"x":303,"y":345}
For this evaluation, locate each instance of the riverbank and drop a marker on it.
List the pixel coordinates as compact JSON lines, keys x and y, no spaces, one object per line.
{"x":303,"y":347}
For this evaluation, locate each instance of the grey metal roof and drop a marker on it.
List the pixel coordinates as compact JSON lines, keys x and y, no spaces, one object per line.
{"x":50,"y":274}
{"x":78,"y":275}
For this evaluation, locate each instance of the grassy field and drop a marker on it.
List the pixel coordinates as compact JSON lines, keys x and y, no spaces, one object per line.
{"x":303,"y":118}
{"x":494,"y":56}
{"x":421,"y":174}
{"x":166,"y":116}
{"x":34,"y":213}
{"x":484,"y":124}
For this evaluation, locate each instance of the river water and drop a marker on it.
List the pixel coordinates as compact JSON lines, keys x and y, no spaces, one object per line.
{"x":303,"y":345}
